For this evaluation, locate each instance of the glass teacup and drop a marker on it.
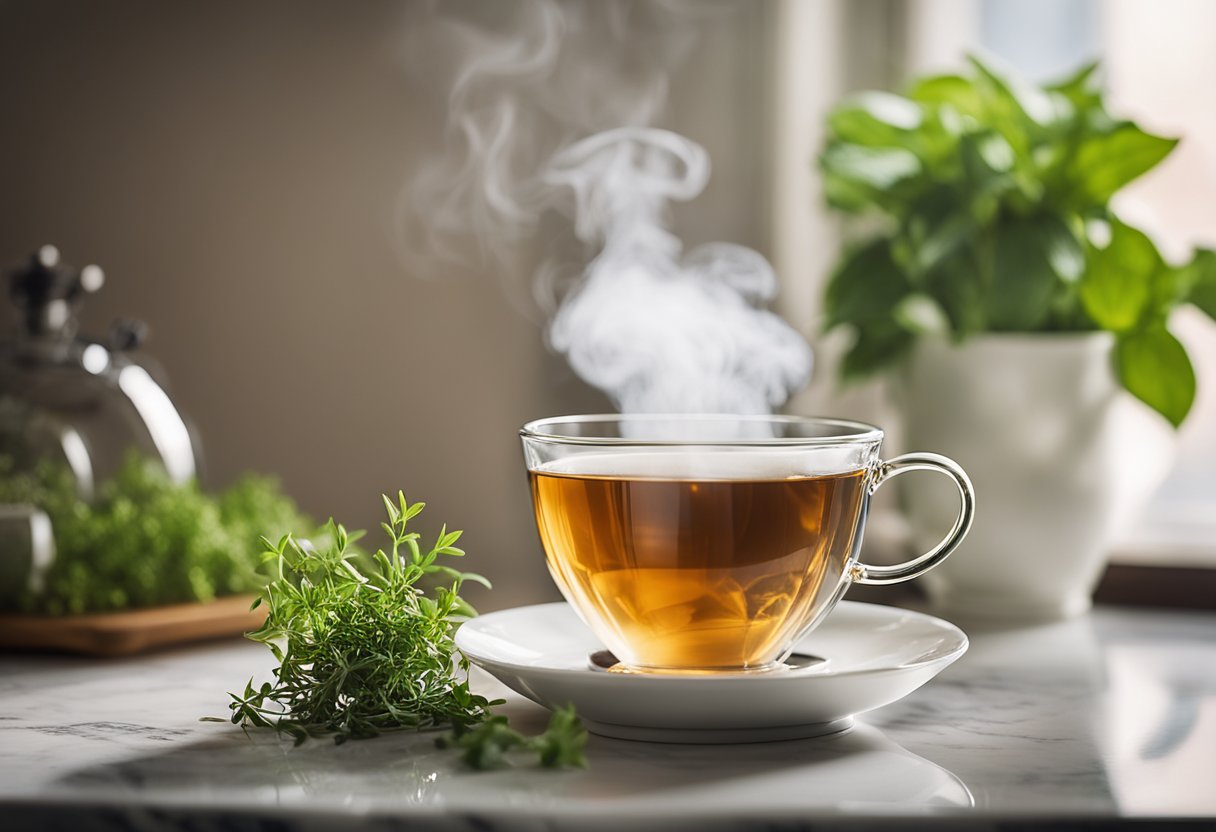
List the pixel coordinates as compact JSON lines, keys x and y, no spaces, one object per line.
{"x":707,"y":543}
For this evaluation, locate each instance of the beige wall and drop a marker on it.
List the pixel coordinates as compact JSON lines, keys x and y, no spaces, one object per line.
{"x":233,"y":166}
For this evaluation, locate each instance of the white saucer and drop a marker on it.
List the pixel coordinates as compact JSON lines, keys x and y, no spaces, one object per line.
{"x":874,"y":655}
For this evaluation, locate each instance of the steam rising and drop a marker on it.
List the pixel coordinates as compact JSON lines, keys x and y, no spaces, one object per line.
{"x":531,"y":93}
{"x":657,"y":331}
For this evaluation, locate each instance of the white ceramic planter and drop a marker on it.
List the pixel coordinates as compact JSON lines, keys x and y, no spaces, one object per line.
{"x":1059,"y":454}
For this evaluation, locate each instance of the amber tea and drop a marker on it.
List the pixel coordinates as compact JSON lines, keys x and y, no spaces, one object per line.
{"x":699,"y":572}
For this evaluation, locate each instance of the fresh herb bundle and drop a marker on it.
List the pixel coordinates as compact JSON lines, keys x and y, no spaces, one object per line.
{"x":146,"y":540}
{"x":363,"y":651}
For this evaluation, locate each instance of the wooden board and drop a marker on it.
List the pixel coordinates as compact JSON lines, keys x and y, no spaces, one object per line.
{"x":133,"y":631}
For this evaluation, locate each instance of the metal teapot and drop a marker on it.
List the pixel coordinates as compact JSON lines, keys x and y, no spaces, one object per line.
{"x":81,"y":401}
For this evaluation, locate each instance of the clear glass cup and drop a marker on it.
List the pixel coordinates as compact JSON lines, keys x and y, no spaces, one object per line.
{"x":709,"y":543}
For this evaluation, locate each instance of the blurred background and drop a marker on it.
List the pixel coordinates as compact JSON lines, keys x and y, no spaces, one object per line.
{"x":236,"y":167}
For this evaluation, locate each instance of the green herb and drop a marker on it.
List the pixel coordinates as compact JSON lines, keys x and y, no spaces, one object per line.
{"x":486,"y":746}
{"x":362,"y":651}
{"x":991,"y":201}
{"x":145,"y":540}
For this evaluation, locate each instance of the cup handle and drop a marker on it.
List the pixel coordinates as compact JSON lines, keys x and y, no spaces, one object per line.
{"x":864,"y":573}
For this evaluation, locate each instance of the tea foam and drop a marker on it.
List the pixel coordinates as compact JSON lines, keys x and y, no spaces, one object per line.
{"x":701,"y":463}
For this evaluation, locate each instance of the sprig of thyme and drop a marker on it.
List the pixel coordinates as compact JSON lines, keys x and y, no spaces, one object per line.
{"x":485,"y":746}
{"x":364,"y":649}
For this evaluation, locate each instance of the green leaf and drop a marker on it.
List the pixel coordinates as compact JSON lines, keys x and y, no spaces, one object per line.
{"x":857,"y":177}
{"x":393,"y":513}
{"x":1065,"y":251}
{"x":930,"y":240}
{"x":562,"y":743}
{"x":865,"y":287}
{"x":955,"y":284}
{"x":1105,"y":162}
{"x":953,"y":90}
{"x":875,"y":119}
{"x":1008,"y":96}
{"x":994,"y":154}
{"x":1001,"y":110}
{"x":1201,"y":272}
{"x":876,"y":347}
{"x":477,"y":579}
{"x":1080,"y":89}
{"x":1025,"y":275}
{"x":463,"y":577}
{"x":1081,"y":79}
{"x":1116,"y":287}
{"x":1154,"y":367}
{"x":920,"y":314}
{"x":1171,"y":286}
{"x":487,"y":746}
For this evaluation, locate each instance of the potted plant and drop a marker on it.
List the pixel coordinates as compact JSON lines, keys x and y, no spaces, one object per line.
{"x":1011,"y":307}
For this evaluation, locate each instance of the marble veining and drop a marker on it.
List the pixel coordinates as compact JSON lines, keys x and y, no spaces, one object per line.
{"x":1095,"y":717}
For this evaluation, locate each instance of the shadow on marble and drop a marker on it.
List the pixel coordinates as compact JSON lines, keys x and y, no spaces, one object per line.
{"x":859,"y":770}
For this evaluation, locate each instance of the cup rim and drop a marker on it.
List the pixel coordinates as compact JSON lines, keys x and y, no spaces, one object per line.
{"x":861,"y":432}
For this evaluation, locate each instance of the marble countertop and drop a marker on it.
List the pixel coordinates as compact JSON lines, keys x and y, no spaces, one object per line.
{"x":1108,"y":716}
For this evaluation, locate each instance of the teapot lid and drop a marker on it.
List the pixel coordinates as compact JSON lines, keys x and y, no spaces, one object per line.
{"x":46,"y":292}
